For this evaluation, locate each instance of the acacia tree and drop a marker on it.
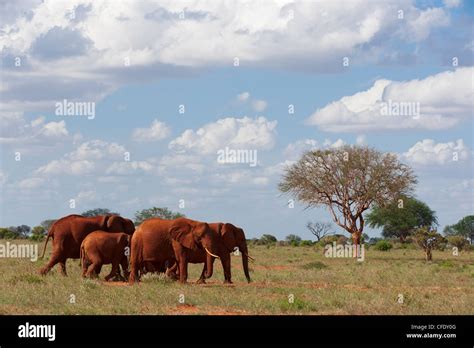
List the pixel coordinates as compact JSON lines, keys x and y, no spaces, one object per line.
{"x":319,"y":229}
{"x":402,"y":217}
{"x":428,"y":239}
{"x":348,"y":180}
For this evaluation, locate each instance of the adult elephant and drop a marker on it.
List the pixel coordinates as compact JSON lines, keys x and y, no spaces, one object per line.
{"x":69,"y":232}
{"x":159,"y":242}
{"x":229,"y":237}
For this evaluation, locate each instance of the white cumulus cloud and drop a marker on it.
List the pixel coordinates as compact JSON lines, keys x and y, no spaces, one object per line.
{"x":64,"y":166}
{"x":238,"y":133}
{"x":437,"y":102}
{"x":428,"y":152}
{"x":132,"y":167}
{"x":157,"y":131}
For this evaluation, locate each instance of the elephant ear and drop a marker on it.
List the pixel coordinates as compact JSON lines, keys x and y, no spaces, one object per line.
{"x":229,"y":237}
{"x":103,"y":222}
{"x":183,"y":234}
{"x":115,"y":223}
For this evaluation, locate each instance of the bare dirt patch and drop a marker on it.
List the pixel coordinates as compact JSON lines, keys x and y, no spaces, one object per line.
{"x":274,"y":267}
{"x":115,"y":283}
{"x":184,"y":309}
{"x":225,"y":311}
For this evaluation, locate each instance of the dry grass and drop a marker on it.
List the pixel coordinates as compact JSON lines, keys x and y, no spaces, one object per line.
{"x":319,"y":286}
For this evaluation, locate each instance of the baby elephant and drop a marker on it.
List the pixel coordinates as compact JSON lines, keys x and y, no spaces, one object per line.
{"x":101,"y":248}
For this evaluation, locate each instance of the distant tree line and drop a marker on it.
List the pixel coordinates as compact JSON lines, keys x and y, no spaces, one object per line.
{"x":408,"y":220}
{"x":39,"y":232}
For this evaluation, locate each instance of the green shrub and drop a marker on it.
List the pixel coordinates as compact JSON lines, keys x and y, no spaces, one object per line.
{"x":447,"y":264}
{"x":383,"y":245}
{"x":306,"y":243}
{"x":315,"y":265}
{"x":338,"y":238}
{"x":459,"y":242}
{"x":267,"y":239}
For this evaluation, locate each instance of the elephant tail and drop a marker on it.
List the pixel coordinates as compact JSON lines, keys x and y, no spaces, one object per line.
{"x":82,"y":256}
{"x":45,"y":244}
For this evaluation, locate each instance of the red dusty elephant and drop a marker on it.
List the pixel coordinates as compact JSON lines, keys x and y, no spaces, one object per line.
{"x":229,"y":237}
{"x":160,"y":242}
{"x":69,"y":232}
{"x":101,"y":248}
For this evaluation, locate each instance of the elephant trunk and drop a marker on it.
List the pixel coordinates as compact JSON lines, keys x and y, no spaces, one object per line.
{"x":245,"y":262}
{"x":209,"y":265}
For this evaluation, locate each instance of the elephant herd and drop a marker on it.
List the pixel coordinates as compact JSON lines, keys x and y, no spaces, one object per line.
{"x":156,"y":245}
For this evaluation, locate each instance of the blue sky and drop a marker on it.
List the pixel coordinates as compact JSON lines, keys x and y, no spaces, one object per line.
{"x":289,"y":53}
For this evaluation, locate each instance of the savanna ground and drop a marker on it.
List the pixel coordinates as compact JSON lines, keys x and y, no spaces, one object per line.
{"x":317,"y":285}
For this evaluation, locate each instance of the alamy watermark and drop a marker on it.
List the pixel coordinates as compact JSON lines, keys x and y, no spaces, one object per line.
{"x":345,"y":251}
{"x":19,"y":250}
{"x":394,"y":108}
{"x":69,"y":108}
{"x":233,"y":156}
{"x":37,"y":331}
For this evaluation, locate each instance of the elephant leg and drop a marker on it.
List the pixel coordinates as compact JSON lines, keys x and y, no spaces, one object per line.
{"x":225,"y":260}
{"x":183,"y":271}
{"x":124,"y":264}
{"x":85,"y":265}
{"x":171,"y":271}
{"x":62,"y":264}
{"x":134,"y":276}
{"x":202,"y":278}
{"x":91,"y":270}
{"x":113,"y":271}
{"x":55,"y":258}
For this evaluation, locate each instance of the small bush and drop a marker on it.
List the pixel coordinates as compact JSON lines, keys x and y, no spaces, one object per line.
{"x":27,"y":278}
{"x":342,"y":240}
{"x":459,"y":242}
{"x":267,"y":239}
{"x":447,"y":264}
{"x":306,"y":243}
{"x":297,"y":304}
{"x":383,"y":245}
{"x":314,"y":265}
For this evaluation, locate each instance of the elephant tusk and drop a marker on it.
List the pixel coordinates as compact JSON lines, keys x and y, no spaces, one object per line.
{"x":211,"y":253}
{"x":250,"y":257}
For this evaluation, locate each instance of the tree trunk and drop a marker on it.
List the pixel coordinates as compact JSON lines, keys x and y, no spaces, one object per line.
{"x":356,"y":241}
{"x":429,"y":256}
{"x":356,"y":237}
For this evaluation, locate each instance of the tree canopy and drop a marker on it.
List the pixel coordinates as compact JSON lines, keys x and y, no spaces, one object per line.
{"x":464,"y":227}
{"x":348,"y":180}
{"x":46,"y":224}
{"x":402,"y":217}
{"x":15,"y":232}
{"x":428,"y":239}
{"x":97,"y":212}
{"x":293,"y":239}
{"x":163,"y":213}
